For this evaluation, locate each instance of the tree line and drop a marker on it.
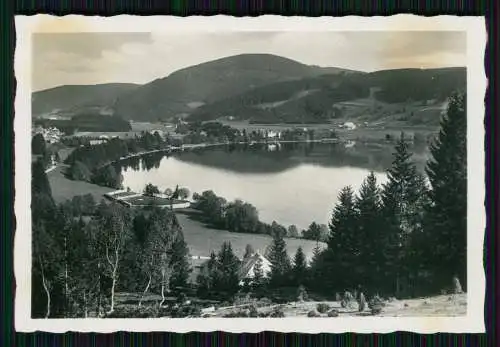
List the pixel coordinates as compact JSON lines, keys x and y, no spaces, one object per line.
{"x":408,"y":236}
{"x":242,"y":217}
{"x":83,"y":253}
{"x":404,"y":238}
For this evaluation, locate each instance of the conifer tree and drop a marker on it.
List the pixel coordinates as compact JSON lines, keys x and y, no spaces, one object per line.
{"x":369,"y":232}
{"x":180,"y":262}
{"x":338,"y":259}
{"x":258,"y":275}
{"x":280,"y":262}
{"x":38,"y":145}
{"x":39,"y":181}
{"x":402,"y":200}
{"x":446,"y":219}
{"x":227,"y":269}
{"x":299,"y":270}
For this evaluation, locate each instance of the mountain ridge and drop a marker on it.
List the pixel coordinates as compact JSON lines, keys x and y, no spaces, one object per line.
{"x":255,"y":87}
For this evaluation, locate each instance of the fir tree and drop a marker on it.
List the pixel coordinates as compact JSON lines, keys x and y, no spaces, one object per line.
{"x":402,"y":212}
{"x":280,"y":262}
{"x":38,"y":145}
{"x":39,"y":181}
{"x":342,"y":245}
{"x":227,"y":269}
{"x":299,"y":270}
{"x":369,"y":229}
{"x":258,"y":274}
{"x":180,"y":262}
{"x":446,"y":220}
{"x":249,"y":251}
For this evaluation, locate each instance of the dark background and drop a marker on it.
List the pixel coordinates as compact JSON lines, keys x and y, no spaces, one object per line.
{"x":8,"y":8}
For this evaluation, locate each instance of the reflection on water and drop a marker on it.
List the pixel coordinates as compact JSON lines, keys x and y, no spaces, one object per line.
{"x":290,"y":183}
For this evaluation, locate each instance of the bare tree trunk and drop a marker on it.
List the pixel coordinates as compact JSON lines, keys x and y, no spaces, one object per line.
{"x":45,"y":286}
{"x":113,"y":285}
{"x":66,"y":290}
{"x":145,"y":291}
{"x":85,"y":306}
{"x":162,"y":288}
{"x":99,"y":290}
{"x":114,"y":272}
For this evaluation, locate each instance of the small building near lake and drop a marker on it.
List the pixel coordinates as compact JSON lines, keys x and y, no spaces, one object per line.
{"x":348,"y":126}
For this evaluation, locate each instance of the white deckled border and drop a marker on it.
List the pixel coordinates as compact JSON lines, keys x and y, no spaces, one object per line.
{"x":473,"y":322}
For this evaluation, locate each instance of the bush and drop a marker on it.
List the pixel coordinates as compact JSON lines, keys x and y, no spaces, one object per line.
{"x":322,"y":307}
{"x":313,"y":313}
{"x":277,"y":313}
{"x":184,"y":311}
{"x":237,"y":314}
{"x":253,"y":312}
{"x":333,"y":313}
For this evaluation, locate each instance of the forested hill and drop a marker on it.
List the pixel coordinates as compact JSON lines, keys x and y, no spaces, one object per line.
{"x":77,"y":98}
{"x":189,"y":88}
{"x":265,"y":88}
{"x":318,"y":99}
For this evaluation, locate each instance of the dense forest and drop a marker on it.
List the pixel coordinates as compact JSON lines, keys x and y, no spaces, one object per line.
{"x":86,"y":122}
{"x":310,"y":100}
{"x":405,"y":238}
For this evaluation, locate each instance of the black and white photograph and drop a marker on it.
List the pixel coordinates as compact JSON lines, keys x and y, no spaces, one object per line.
{"x":250,"y":168}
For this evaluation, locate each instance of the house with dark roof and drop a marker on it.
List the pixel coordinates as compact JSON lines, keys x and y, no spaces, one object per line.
{"x":246,"y":272}
{"x":247,"y":269}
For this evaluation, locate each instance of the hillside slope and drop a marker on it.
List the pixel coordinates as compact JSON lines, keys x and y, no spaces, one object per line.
{"x":319,"y":99}
{"x":75,"y":98}
{"x":189,"y":88}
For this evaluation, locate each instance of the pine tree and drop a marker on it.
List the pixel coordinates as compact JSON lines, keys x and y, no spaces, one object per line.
{"x":446,"y":220}
{"x":227,"y":268}
{"x":342,"y":245}
{"x":249,"y":251}
{"x":369,"y":229}
{"x":299,"y":270}
{"x":402,"y":206}
{"x":280,"y":262}
{"x":38,"y":145}
{"x":258,"y":274}
{"x":39,"y":181}
{"x":180,"y":262}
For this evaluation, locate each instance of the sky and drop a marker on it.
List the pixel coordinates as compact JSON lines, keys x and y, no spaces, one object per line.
{"x":93,"y":58}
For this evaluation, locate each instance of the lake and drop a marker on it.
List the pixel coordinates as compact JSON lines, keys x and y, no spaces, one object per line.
{"x":287,"y":183}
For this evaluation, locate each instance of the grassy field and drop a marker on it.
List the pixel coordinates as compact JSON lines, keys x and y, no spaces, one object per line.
{"x":202,"y":239}
{"x":63,"y":188}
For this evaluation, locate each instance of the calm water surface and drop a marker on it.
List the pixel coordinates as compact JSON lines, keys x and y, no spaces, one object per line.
{"x":290,"y":183}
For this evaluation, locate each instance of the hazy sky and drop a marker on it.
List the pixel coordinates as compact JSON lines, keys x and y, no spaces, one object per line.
{"x":91,"y":58}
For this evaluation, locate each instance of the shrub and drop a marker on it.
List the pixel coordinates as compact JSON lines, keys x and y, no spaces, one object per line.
{"x":333,"y":313}
{"x":322,"y":307}
{"x":237,"y":314}
{"x":313,"y":313}
{"x":277,"y":313}
{"x":253,"y":312}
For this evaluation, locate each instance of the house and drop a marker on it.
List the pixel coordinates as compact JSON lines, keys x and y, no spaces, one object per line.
{"x":247,"y":269}
{"x":273,"y":134}
{"x":97,"y":141}
{"x":199,"y":266}
{"x":348,"y":126}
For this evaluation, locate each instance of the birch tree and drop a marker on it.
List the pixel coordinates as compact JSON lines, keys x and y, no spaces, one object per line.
{"x":115,"y":230}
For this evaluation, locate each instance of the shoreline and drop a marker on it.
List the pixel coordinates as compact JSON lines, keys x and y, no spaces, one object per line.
{"x":207,"y":145}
